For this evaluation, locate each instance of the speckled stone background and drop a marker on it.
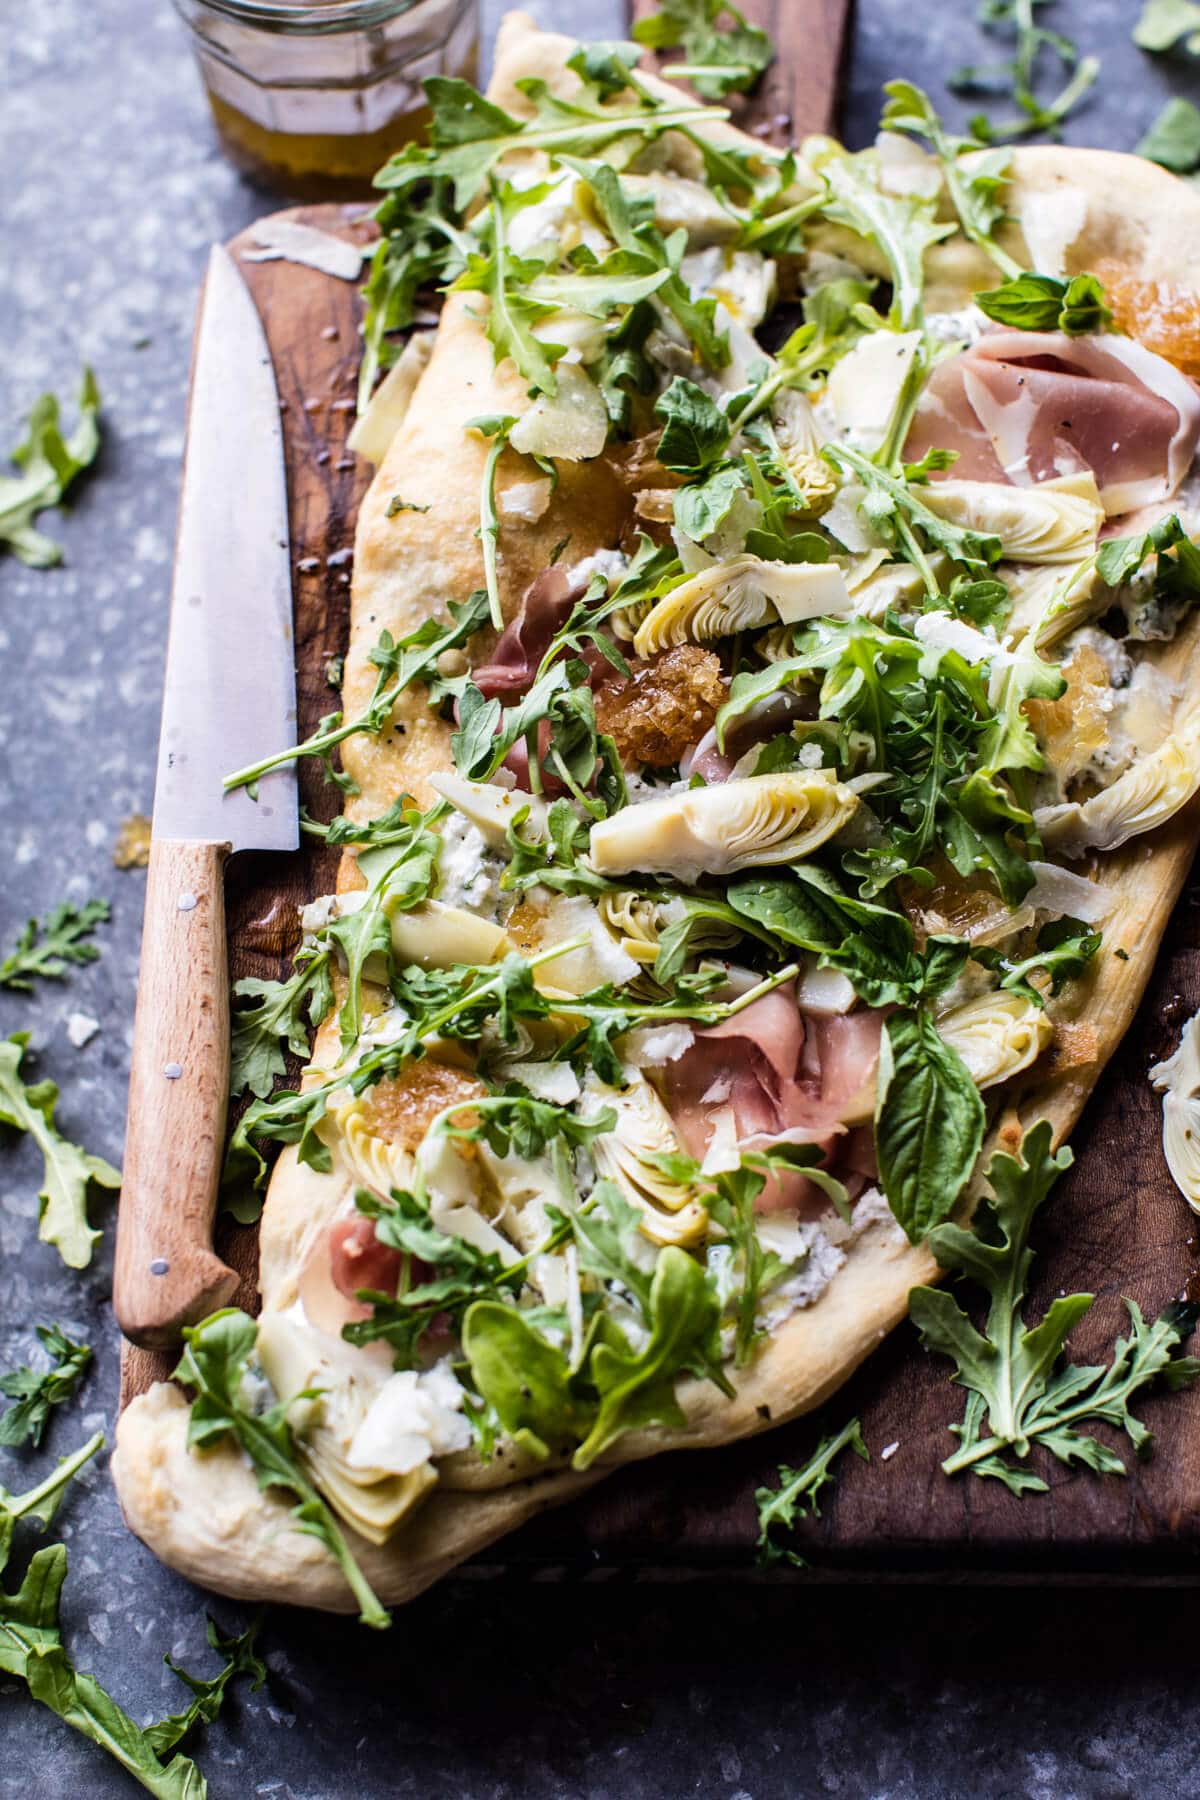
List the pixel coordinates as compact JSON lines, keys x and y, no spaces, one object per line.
{"x":112,"y":189}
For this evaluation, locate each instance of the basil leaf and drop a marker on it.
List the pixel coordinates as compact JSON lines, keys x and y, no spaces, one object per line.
{"x":1173,"y":140}
{"x":703,"y":507}
{"x":1045,"y":303}
{"x":929,"y":1122}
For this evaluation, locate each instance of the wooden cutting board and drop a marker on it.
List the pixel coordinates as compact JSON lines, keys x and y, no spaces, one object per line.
{"x":1116,"y":1224}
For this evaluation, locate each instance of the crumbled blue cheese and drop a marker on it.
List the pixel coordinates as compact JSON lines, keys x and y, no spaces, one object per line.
{"x":413,"y":1418}
{"x":81,"y":1029}
{"x":612,"y":564}
{"x":469,"y":873}
{"x":964,"y":327}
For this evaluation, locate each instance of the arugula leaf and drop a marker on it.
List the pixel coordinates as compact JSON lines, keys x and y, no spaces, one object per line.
{"x":696,"y":432}
{"x":607,"y":1233}
{"x":929,"y":1120}
{"x":1173,"y":140}
{"x":514,"y":1125}
{"x":703,"y":506}
{"x":797,"y":1493}
{"x":721,"y":58}
{"x":901,"y":226}
{"x":46,"y":946}
{"x":215,"y":1358}
{"x":1012,"y":1370}
{"x":523,"y":1377}
{"x":1165,"y":24}
{"x":284,"y":1012}
{"x":413,"y":657}
{"x":49,"y":463}
{"x":68,"y":1171}
{"x":38,"y":1391}
{"x":975,"y":191}
{"x":420,"y":246}
{"x":1047,"y":303}
{"x":31,"y":1650}
{"x":1018,"y":75}
{"x":895,"y":512}
{"x":209,"y":1691}
{"x":1064,"y":949}
{"x":636,"y":1388}
{"x":506,"y":281}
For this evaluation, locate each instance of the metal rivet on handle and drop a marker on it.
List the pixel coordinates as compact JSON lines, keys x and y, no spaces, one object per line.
{"x":159,"y":1266}
{"x":173,"y":1071}
{"x":187,"y":903}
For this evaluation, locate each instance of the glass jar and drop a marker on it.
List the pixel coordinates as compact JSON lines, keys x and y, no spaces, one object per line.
{"x":312,"y":96}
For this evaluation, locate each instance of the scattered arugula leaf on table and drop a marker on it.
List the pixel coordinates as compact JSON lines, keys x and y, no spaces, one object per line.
{"x":1174,"y":138}
{"x":68,"y":1171}
{"x":1019,"y":1391}
{"x":725,"y":54}
{"x":32,"y":1651}
{"x":796,"y":1496}
{"x":1018,"y":76}
{"x":49,"y":463}
{"x":38,"y":1391}
{"x":208,"y":1691}
{"x":1167,"y":24}
{"x":215,"y":1358}
{"x":46,"y":947}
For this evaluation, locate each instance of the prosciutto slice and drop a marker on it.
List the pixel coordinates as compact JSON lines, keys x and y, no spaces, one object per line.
{"x":545,"y":607}
{"x":1027,"y":406}
{"x":778,"y":1075}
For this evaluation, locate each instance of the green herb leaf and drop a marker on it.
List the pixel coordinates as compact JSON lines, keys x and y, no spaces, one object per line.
{"x":1010,"y":1369}
{"x":796,"y":1496}
{"x":283,"y":1014}
{"x":49,"y":463}
{"x":47,"y":946}
{"x":38,"y":1391}
{"x":901,"y":226}
{"x":929,"y":1122}
{"x":1165,"y":24}
{"x":1046,"y":303}
{"x":696,"y":432}
{"x":215,"y":1358}
{"x":523,"y":1377}
{"x":208,"y":1691}
{"x":725,"y":53}
{"x":68,"y":1171}
{"x":1174,"y":138}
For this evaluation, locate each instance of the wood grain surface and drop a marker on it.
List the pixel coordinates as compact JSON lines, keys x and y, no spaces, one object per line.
{"x":1116,"y":1225}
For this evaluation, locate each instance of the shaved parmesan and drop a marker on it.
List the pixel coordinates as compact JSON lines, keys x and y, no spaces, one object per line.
{"x":286,"y":240}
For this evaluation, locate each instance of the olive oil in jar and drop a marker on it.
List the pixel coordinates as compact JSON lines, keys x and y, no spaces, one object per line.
{"x":311,"y":97}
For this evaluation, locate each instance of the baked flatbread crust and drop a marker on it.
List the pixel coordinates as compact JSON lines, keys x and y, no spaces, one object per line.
{"x":203,"y":1513}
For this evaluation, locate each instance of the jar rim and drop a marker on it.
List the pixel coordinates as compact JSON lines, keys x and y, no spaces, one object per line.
{"x":306,"y":17}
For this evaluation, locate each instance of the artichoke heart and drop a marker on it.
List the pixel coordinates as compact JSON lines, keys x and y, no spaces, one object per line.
{"x":1178,"y":1081}
{"x":638,"y":921}
{"x":491,"y":808}
{"x":671,"y":1212}
{"x":1149,"y":793}
{"x":718,"y":830}
{"x":1054,"y":522}
{"x":436,"y":936}
{"x":997,"y":1035}
{"x":375,"y":1161}
{"x":295,"y":1358}
{"x":741,"y":595}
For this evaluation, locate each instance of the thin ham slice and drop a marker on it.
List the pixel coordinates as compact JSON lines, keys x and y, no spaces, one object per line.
{"x":784,"y":1077}
{"x":1027,"y":406}
{"x":357,"y":1259}
{"x":545,"y":607}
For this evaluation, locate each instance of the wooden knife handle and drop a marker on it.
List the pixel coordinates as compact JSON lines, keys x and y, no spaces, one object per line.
{"x":166,"y":1275}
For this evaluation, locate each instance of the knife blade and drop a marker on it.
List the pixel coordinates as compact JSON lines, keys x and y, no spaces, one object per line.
{"x":229,"y":698}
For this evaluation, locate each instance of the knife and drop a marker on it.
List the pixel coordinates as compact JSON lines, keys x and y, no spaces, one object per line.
{"x":229,"y":699}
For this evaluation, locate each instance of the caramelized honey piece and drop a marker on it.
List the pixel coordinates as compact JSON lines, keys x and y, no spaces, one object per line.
{"x":962,"y":905}
{"x":401,"y":1108}
{"x":1165,"y":319}
{"x":664,"y":707}
{"x":1074,"y":727}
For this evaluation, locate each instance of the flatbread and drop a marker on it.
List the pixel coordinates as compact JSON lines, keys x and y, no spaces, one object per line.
{"x":203,"y":1514}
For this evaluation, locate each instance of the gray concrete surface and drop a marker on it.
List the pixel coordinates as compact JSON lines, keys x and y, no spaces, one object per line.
{"x":112,"y":189}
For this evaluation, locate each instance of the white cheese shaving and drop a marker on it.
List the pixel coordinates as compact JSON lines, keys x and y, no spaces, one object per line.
{"x":649,"y":1046}
{"x":286,"y":240}
{"x":545,"y":1080}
